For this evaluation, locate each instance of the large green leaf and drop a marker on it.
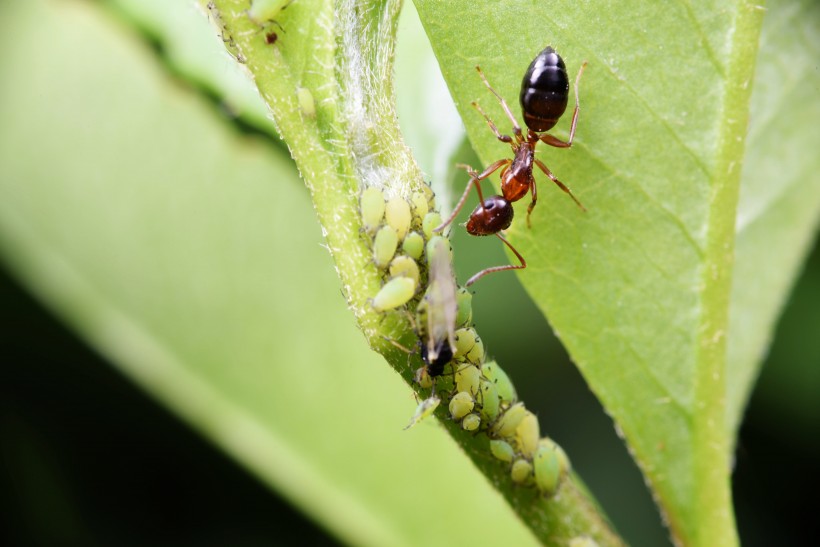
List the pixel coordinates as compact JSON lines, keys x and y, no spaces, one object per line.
{"x":779,"y":206}
{"x":190,"y":256}
{"x":639,"y":287}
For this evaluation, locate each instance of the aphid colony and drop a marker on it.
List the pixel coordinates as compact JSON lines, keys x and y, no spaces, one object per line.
{"x":417,"y":266}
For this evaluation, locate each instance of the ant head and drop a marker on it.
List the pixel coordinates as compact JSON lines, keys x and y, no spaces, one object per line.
{"x":494,"y":215}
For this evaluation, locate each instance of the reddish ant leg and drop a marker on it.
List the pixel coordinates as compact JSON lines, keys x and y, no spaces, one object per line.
{"x":494,"y":269}
{"x":516,"y":127}
{"x":498,"y":135}
{"x":558,"y":183}
{"x":475,"y":179}
{"x":556,"y":142}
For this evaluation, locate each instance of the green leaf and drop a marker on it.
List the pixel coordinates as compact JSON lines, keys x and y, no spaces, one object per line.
{"x":189,"y":255}
{"x":639,"y":287}
{"x":779,"y":206}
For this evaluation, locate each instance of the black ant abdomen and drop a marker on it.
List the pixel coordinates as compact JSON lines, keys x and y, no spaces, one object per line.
{"x":544,"y":91}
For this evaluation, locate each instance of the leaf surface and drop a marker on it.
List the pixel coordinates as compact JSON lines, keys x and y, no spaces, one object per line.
{"x":639,"y":287}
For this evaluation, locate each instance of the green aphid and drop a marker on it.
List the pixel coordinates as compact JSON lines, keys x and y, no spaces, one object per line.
{"x":461,"y":404}
{"x":476,"y":353}
{"x":526,"y":435}
{"x":306,"y":103}
{"x":384,"y":246}
{"x":372,"y":206}
{"x":431,"y":220}
{"x":420,"y":207}
{"x":505,"y":426}
{"x":440,"y":242}
{"x":436,"y":313}
{"x":502,"y":450}
{"x":468,"y":379}
{"x":489,"y":401}
{"x":465,"y":340}
{"x":397,"y":214}
{"x":404,"y":266}
{"x":425,"y":409}
{"x":521,"y":471}
{"x":496,"y":375}
{"x":262,"y":11}
{"x":413,"y":245}
{"x":429,"y":195}
{"x":464,"y":300}
{"x":471,"y":422}
{"x":547,"y":467}
{"x":396,"y":292}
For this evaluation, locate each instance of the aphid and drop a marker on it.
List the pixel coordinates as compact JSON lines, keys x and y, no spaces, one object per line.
{"x":420,"y":207}
{"x":505,"y":426}
{"x":521,"y":471}
{"x":471,"y":422}
{"x":468,"y":379}
{"x":429,"y":223}
{"x":271,"y":37}
{"x":495,"y":374}
{"x":526,"y":435}
{"x":372,"y":206}
{"x":476,"y":353}
{"x":425,"y":409}
{"x":404,"y":266}
{"x":465,"y":340}
{"x":543,"y":97}
{"x":502,"y":450}
{"x":547,"y":467}
{"x":398,"y":216}
{"x":465,"y":307}
{"x":384,"y":246}
{"x":306,"y":103}
{"x":461,"y":404}
{"x":489,"y":401}
{"x":396,"y":292}
{"x":413,"y":245}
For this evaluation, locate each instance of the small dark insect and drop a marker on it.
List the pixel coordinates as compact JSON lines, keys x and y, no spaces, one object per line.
{"x":544,"y":95}
{"x":436,"y":313}
{"x":271,"y":37}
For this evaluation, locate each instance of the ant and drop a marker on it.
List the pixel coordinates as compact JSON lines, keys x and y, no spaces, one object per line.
{"x":544,"y":95}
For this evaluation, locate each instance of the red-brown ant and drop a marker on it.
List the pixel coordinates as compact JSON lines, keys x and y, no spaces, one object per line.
{"x":544,"y":95}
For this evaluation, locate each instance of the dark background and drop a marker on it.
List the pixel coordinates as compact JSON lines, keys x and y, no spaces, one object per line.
{"x":88,"y":459}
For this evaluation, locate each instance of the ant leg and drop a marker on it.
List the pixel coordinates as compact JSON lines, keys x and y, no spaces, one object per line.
{"x":558,"y":183}
{"x":556,"y":142}
{"x":498,"y":135}
{"x":482,"y":273}
{"x":475,"y":179}
{"x":516,"y":127}
{"x":531,"y":206}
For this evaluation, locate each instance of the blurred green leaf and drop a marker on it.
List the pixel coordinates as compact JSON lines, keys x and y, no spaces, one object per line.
{"x":638,"y":288}
{"x":779,"y":206}
{"x":189,"y":255}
